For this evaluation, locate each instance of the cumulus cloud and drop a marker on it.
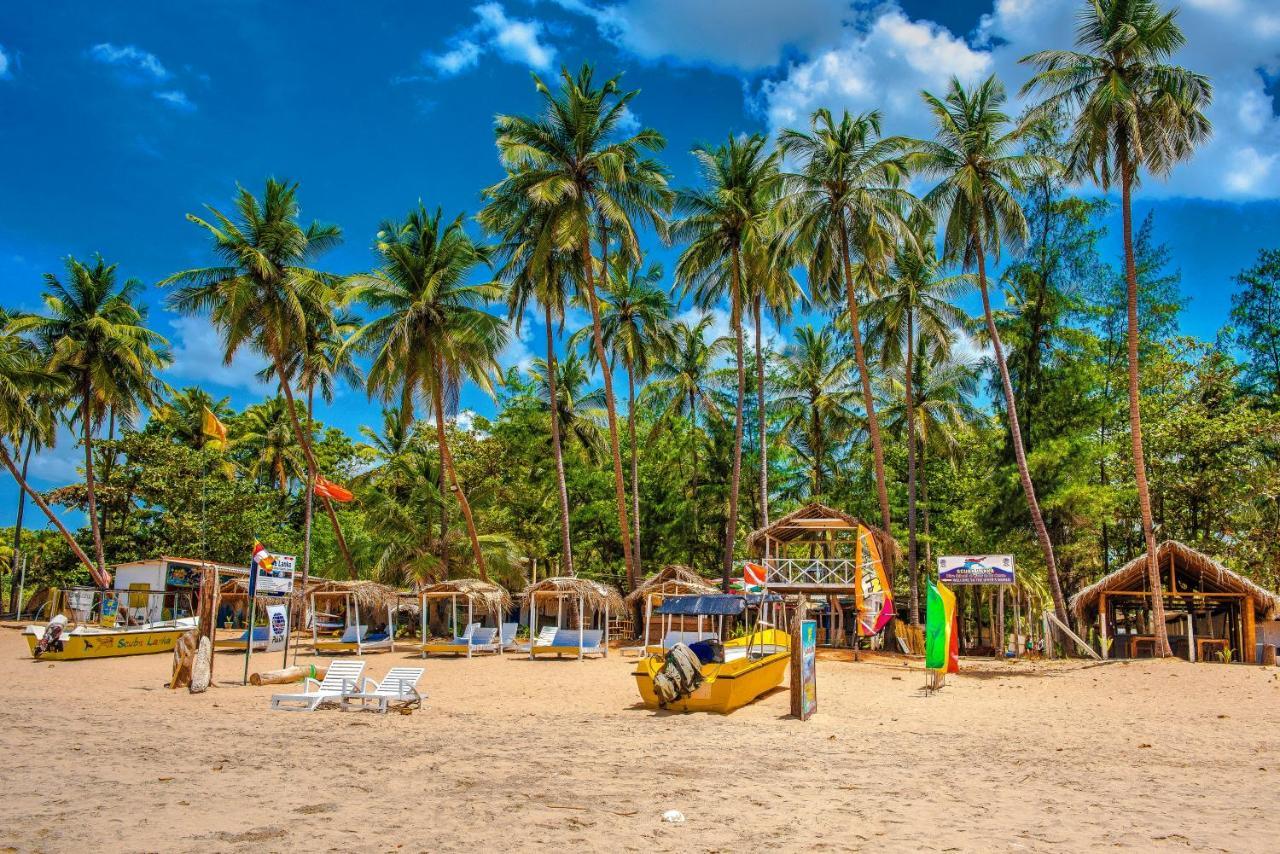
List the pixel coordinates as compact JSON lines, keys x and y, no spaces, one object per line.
{"x":518,"y":351}
{"x":515,"y":40}
{"x":60,"y":464}
{"x":129,"y":57}
{"x":177,"y":99}
{"x":197,"y":357}
{"x":720,"y":327}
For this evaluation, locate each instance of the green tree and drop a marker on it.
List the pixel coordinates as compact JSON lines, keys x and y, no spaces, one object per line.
{"x":1133,"y":111}
{"x":1255,"y":311}
{"x":815,"y":400}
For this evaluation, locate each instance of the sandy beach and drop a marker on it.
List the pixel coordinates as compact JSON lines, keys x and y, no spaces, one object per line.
{"x":509,"y":754}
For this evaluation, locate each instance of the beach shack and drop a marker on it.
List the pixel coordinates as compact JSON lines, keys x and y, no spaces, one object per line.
{"x":467,"y":603}
{"x":580,"y":609}
{"x":362,"y":614}
{"x":672,"y":580}
{"x":1211,"y":613}
{"x":822,"y":553}
{"x":164,"y":587}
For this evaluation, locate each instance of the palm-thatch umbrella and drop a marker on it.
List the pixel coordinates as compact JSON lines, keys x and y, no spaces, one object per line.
{"x":479,"y":595}
{"x":592,"y":597}
{"x":672,"y":580}
{"x":369,"y":597}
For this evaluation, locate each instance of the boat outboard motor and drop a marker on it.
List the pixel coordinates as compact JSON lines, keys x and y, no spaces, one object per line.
{"x":680,"y":676}
{"x":51,"y":640}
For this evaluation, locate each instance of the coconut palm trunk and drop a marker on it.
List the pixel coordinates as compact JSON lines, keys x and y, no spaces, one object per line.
{"x":1135,"y":422}
{"x":635,"y":469}
{"x":735,"y":478}
{"x":309,"y":511}
{"x":1015,"y":435}
{"x":305,"y":442}
{"x":86,"y":420}
{"x":760,"y":413}
{"x":562,"y":489}
{"x":99,"y":576}
{"x":619,"y":486}
{"x":446,"y":461}
{"x":913,"y":568}
{"x":17,"y":529}
{"x":868,"y":400}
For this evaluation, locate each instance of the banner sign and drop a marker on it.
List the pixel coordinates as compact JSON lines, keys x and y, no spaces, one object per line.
{"x":808,"y":669}
{"x":975,"y":569}
{"x":110,"y":607}
{"x":873,"y":593}
{"x":270,"y":574}
{"x":277,"y":627}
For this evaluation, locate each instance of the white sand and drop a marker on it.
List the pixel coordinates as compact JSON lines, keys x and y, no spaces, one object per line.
{"x":513,"y":755}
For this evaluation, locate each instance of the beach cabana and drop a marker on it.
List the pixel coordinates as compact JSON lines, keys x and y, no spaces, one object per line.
{"x":1211,"y":613}
{"x":589,"y":601}
{"x":672,"y":580}
{"x":359,"y":601}
{"x":481,"y":598}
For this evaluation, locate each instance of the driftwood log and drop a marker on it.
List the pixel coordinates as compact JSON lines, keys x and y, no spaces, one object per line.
{"x":289,"y":674}
{"x":184,"y":652}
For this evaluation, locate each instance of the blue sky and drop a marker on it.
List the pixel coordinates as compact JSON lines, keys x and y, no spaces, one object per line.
{"x":120,"y":118}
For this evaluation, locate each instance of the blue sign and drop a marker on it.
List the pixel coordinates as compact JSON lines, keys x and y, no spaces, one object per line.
{"x":808,"y":669}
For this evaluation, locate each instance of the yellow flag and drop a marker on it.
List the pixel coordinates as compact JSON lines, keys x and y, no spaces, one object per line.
{"x":212,"y":427}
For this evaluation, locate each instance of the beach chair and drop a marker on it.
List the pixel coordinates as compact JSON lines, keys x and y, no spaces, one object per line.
{"x":259,"y":639}
{"x":341,"y":677}
{"x":508,"y":636}
{"x":399,"y":686}
{"x":544,"y":638}
{"x":463,"y":644}
{"x":567,"y":642}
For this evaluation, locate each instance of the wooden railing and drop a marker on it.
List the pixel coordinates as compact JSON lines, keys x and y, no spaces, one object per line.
{"x":794,"y":571}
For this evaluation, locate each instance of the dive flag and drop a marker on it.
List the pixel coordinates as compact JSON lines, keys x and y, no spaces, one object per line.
{"x":211,"y":427}
{"x":939,"y":628}
{"x":332,"y":491}
{"x":753,"y":577}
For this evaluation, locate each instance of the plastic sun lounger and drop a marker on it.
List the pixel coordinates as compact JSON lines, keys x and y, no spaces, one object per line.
{"x":508,"y":635}
{"x":566,"y":642}
{"x":399,"y":686}
{"x":259,"y":640}
{"x":461,"y":645}
{"x":544,"y":638}
{"x":342,"y":677}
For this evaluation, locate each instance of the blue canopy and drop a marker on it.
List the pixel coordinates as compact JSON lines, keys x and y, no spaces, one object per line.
{"x":727,"y":605}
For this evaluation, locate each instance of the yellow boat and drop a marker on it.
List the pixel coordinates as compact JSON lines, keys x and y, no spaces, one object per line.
{"x":753,"y":665}
{"x":88,"y":641}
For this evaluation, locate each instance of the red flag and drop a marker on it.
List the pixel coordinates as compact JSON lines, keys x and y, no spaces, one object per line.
{"x":332,"y":491}
{"x":753,"y":577}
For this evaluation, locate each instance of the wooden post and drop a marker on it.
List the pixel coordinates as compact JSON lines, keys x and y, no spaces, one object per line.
{"x":1191,"y":636}
{"x":797,"y":683}
{"x":580,"y":618}
{"x":1269,"y":654}
{"x":533,"y":621}
{"x":1102,"y":624}
{"x":1248,"y":644}
{"x":1017,"y":623}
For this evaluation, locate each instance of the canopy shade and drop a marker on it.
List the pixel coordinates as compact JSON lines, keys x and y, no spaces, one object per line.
{"x":722,"y":605}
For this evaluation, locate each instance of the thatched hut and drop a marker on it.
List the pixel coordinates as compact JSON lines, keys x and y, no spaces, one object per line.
{"x":352,"y":607}
{"x":589,"y":604}
{"x":1211,"y":612}
{"x":483,"y":597}
{"x":672,"y":580}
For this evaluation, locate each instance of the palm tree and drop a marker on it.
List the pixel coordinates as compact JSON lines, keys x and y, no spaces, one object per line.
{"x":265,"y":437}
{"x":682,"y":384}
{"x":536,"y":269}
{"x":816,"y":400}
{"x":636,"y":324}
{"x":846,"y":198}
{"x":182,"y":415}
{"x":914,"y":309}
{"x":30,"y":396}
{"x":578,"y":411}
{"x":95,"y":335}
{"x":1133,"y":111}
{"x":974,"y":156}
{"x":435,"y":333}
{"x":263,"y":292}
{"x":723,"y":224}
{"x":589,"y":181}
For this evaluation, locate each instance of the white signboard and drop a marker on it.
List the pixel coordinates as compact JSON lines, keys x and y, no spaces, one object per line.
{"x":277,"y":627}
{"x":275,"y":577}
{"x":975,"y":569}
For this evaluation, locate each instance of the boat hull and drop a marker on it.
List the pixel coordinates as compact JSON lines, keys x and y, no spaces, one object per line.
{"x":109,"y":644}
{"x":728,"y":686}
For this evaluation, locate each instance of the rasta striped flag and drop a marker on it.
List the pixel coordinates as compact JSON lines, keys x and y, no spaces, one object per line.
{"x":941,"y":641}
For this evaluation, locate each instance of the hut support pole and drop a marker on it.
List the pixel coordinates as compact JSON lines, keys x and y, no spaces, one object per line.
{"x":1017,"y":623}
{"x":1248,"y":644}
{"x":1102,"y":624}
{"x":470,"y":614}
{"x":422,"y":612}
{"x":391,"y":627}
{"x":606,"y":628}
{"x":580,"y":638}
{"x":1191,"y":636}
{"x":533,"y":622}
{"x":355,"y":608}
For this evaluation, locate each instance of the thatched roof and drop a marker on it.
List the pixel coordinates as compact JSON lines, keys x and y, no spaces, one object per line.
{"x":674,"y":578}
{"x":239,"y":587}
{"x":485,"y":595}
{"x":813,"y":516}
{"x":1190,"y":564}
{"x":595,"y":594}
{"x":369,"y":596}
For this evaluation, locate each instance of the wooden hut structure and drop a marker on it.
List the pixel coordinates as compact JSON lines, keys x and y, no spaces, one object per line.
{"x":358,"y":600}
{"x":672,"y":580}
{"x":819,"y":551}
{"x":1211,"y":613}
{"x":589,"y":602}
{"x":484,"y":597}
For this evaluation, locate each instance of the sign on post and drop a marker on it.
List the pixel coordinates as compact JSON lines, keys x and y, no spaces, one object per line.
{"x":975,"y":569}
{"x":277,"y":627}
{"x":808,"y":669}
{"x":274,"y":576}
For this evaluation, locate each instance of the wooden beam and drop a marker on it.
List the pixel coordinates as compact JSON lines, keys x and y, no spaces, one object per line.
{"x":1250,"y":639}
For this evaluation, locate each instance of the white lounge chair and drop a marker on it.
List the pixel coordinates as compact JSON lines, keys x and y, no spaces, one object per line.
{"x":544,"y":638}
{"x":340,"y":678}
{"x":399,"y":686}
{"x":579,"y":642}
{"x":508,"y":639}
{"x":474,"y":639}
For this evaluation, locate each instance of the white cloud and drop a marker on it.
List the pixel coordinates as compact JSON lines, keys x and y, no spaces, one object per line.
{"x":58,"y":465}
{"x":737,"y":34}
{"x":518,"y":352}
{"x":197,"y":357}
{"x":886,"y":62}
{"x":177,"y":99}
{"x":129,"y":57}
{"x":720,"y":327}
{"x":4,"y":64}
{"x":515,"y":40}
